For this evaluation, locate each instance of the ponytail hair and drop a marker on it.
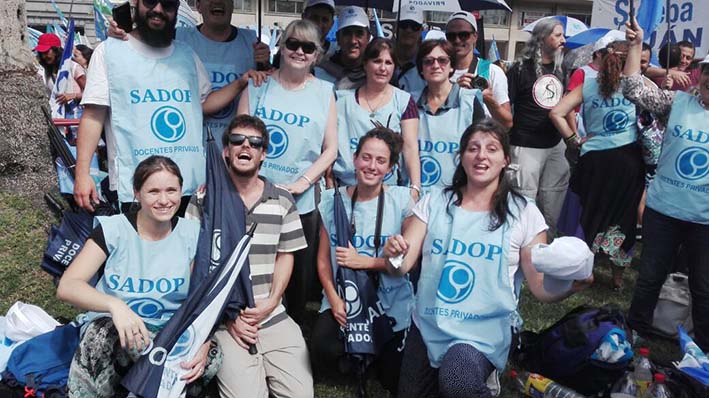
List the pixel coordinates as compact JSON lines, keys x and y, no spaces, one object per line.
{"x":611,"y":68}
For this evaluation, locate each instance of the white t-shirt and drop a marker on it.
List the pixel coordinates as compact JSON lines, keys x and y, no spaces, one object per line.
{"x":524,"y":229}
{"x":498,"y":82}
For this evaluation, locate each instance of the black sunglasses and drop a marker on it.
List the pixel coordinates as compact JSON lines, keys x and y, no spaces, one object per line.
{"x":463,"y":36}
{"x":167,"y":5}
{"x":294,"y":44}
{"x":410,"y":25}
{"x":254,"y":141}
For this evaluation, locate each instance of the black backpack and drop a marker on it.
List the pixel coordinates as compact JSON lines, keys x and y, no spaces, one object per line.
{"x":562,"y":352}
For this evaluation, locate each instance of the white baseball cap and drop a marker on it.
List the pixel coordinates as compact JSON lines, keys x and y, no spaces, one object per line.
{"x":435,"y":34}
{"x":410,"y":12}
{"x":562,"y":262}
{"x":465,"y":16}
{"x":608,"y":38}
{"x":329,"y":3}
{"x":352,"y":16}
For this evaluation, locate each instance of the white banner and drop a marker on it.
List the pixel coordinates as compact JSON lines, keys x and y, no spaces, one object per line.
{"x":689,"y":20}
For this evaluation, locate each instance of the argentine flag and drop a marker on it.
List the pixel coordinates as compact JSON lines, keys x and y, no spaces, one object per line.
{"x":64,"y":83}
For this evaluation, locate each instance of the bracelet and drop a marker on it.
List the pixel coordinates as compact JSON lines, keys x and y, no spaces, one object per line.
{"x":415,"y":188}
{"x":306,"y":178}
{"x":572,"y":137}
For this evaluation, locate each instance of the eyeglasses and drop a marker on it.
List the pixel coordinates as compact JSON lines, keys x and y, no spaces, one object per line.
{"x":442,"y":61}
{"x":167,"y":5}
{"x":294,"y":44}
{"x":410,"y":25}
{"x":463,"y":36}
{"x":254,"y":141}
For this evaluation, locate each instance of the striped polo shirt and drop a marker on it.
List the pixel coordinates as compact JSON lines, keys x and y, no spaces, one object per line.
{"x":278,"y":230}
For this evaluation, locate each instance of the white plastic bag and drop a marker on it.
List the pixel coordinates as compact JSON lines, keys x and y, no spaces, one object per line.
{"x":25,"y":321}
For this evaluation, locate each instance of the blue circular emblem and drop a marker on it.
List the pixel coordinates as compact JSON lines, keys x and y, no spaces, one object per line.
{"x":457,"y":281}
{"x":184,"y":343}
{"x":430,"y":171}
{"x":226,"y":111}
{"x":615,"y":120}
{"x":147,"y":307}
{"x":353,"y":306}
{"x":168,"y":124}
{"x":277,"y":141}
{"x":693,"y":163}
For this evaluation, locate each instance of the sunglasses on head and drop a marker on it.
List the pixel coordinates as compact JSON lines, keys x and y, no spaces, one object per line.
{"x":442,"y":61}
{"x":463,"y":36}
{"x":410,"y":25}
{"x":254,"y":141}
{"x":294,"y":44}
{"x":167,"y":5}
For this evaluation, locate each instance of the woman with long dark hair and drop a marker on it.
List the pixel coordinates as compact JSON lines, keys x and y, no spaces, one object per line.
{"x":146,"y":257}
{"x":608,"y":180}
{"x":49,"y":55}
{"x":474,"y":236}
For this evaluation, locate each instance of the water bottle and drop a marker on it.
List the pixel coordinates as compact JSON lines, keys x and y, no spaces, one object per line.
{"x":625,"y":387}
{"x":538,"y":386}
{"x":643,"y":373}
{"x":659,"y":390}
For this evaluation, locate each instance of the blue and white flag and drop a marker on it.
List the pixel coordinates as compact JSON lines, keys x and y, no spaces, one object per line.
{"x":378,"y":25}
{"x":493,"y":54}
{"x":185,"y":16}
{"x":65,"y":81}
{"x":59,"y":12}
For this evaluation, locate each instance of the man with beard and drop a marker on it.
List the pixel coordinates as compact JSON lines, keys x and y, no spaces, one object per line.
{"x":535,"y":87}
{"x":152,"y":106}
{"x":281,"y":367}
{"x":344,"y":68}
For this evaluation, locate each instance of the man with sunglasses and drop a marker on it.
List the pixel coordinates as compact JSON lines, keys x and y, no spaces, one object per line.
{"x":281,"y":367}
{"x":147,"y":92}
{"x":461,"y":32}
{"x":407,"y":45}
{"x":344,"y":68}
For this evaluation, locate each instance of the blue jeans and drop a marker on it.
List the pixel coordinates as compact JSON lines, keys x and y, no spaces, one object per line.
{"x":662,"y":236}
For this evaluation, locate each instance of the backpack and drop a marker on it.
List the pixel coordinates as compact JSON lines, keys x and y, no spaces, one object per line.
{"x":562,"y":352}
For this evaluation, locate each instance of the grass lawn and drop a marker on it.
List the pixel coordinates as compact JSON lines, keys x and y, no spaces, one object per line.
{"x":23,"y":236}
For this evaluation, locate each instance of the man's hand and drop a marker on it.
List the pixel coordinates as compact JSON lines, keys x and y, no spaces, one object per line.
{"x":262,"y":53}
{"x":466,"y":80}
{"x":682,"y":78}
{"x":243,"y":333}
{"x":116,"y":32}
{"x":254,"y":316}
{"x":257,"y":77}
{"x":85,"y":194}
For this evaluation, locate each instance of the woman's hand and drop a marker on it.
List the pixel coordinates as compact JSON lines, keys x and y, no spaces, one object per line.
{"x":243,"y":333}
{"x":258,"y":77}
{"x":131,"y":328}
{"x":338,"y":310}
{"x":348,"y":257}
{"x":297,"y":187}
{"x":67,"y":97}
{"x":634,"y":33}
{"x":395,"y":246}
{"x":197,"y":365}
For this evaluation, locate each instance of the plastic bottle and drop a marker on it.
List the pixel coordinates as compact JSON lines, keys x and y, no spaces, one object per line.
{"x":538,"y":386}
{"x":643,"y":373}
{"x":659,"y":390}
{"x":625,"y":387}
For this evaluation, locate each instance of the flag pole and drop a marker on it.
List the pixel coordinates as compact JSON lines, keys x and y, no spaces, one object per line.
{"x":669,"y":28}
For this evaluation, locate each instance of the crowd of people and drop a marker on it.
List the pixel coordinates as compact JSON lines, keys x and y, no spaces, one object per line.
{"x":449,"y":167}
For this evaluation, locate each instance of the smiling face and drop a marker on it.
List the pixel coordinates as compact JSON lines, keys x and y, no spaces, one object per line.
{"x":380,"y":69}
{"x":160,"y":196}
{"x":372,"y":162}
{"x":352,"y":41}
{"x":462,"y":47}
{"x":483,"y":159}
{"x":156,"y":25}
{"x":686,"y":57}
{"x":244,"y":160}
{"x":297,"y":59}
{"x":216,"y":13}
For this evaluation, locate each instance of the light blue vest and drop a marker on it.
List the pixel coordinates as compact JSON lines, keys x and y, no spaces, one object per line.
{"x":439,"y":139}
{"x":396,"y":294}
{"x":225,"y":62}
{"x":296,"y":123}
{"x":155,"y":110}
{"x":411,"y":81}
{"x":152,"y":278}
{"x":464,"y":292}
{"x":353,"y":122}
{"x":609,"y":122}
{"x":681,"y":187}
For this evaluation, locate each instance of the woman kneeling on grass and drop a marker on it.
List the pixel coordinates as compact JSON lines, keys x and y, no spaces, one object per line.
{"x":148,"y":256}
{"x":473,"y":237}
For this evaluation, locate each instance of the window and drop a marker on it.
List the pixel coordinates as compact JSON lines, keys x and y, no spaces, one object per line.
{"x":495,"y":17}
{"x":284,"y":6}
{"x":527,"y":17}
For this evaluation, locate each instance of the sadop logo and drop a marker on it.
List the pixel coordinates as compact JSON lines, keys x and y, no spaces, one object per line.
{"x":693,"y":163}
{"x":353,"y":306}
{"x":457,"y":281}
{"x":147,"y":307}
{"x":168,"y":124}
{"x":430,"y":171}
{"x":615,"y":120}
{"x":184,"y":344}
{"x":277,"y":141}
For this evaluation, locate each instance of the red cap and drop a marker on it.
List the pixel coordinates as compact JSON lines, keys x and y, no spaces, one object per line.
{"x":659,"y":378}
{"x":47,"y":41}
{"x":513,"y":373}
{"x":644,"y":351}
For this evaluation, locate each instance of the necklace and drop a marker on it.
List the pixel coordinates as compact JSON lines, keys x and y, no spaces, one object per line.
{"x":299,"y":87}
{"x":372,"y":109}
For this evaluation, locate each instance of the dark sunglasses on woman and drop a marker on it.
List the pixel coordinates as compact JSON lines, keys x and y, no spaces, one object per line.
{"x":254,"y":141}
{"x":167,"y":5}
{"x":294,"y":44}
